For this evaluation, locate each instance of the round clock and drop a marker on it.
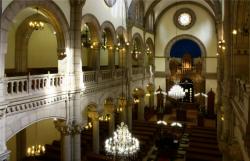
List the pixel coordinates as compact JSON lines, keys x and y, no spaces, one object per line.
{"x":184,"y":18}
{"x":110,"y":3}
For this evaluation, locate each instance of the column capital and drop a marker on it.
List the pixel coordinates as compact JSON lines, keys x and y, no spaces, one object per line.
{"x":110,"y":109}
{"x":68,"y":129}
{"x":93,"y":115}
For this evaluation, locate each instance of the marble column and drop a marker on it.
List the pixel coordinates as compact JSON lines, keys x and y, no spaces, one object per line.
{"x":75,"y":42}
{"x":227,"y":130}
{"x":111,"y":56}
{"x":96,"y":60}
{"x":141,"y":106}
{"x":66,"y":149}
{"x":110,"y":110}
{"x":129,"y":114}
{"x":95,"y":120}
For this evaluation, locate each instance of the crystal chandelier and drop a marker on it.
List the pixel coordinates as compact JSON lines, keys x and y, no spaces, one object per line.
{"x":35,"y":24}
{"x":122,"y":144}
{"x":36,"y":150}
{"x":176,"y":92}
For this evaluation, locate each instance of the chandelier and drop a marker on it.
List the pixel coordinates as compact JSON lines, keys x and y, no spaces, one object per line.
{"x":176,"y":92}
{"x":122,"y":144}
{"x":104,"y":40}
{"x":85,"y":37}
{"x":36,"y":150}
{"x":135,"y":52}
{"x":122,"y":102}
{"x":35,"y":24}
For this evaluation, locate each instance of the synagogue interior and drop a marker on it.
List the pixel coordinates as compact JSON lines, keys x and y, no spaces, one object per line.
{"x":124,"y":80}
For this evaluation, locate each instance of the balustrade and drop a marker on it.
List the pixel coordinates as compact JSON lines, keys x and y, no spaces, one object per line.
{"x":106,"y":74}
{"x":89,"y":77}
{"x":32,"y":83}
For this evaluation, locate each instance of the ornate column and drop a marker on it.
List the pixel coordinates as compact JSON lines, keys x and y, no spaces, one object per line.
{"x":109,"y":109}
{"x":129,"y":113}
{"x":66,"y":154}
{"x":95,"y":120}
{"x":227,"y":130}
{"x":111,"y":57}
{"x":141,"y":106}
{"x":74,"y":107}
{"x":96,"y":60}
{"x":75,"y":41}
{"x":150,"y":88}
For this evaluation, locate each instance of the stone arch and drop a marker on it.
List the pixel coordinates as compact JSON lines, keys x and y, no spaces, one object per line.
{"x":109,"y":27}
{"x":48,"y":7}
{"x":150,"y":44}
{"x":190,"y":37}
{"x":22,"y":37}
{"x":18,"y":122}
{"x":138,"y":37}
{"x":121,"y":31}
{"x":94,"y":26}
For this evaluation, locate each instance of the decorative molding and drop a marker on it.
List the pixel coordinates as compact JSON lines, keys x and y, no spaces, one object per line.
{"x":32,"y":104}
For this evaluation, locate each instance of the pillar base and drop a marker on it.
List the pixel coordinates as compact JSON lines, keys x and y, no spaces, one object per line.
{"x":5,"y":156}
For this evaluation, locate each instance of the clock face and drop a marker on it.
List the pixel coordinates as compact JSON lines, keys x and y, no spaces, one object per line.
{"x":110,"y":3}
{"x":184,"y":19}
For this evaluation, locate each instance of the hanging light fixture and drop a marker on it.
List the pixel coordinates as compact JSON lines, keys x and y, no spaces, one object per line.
{"x":35,"y":24}
{"x":135,"y":52}
{"x":37,"y":149}
{"x":85,"y":37}
{"x":122,"y":144}
{"x":176,"y":92}
{"x":104,"y":40}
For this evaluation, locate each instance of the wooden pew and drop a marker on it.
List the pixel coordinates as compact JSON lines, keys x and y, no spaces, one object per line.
{"x":201,"y":157}
{"x":97,"y":157}
{"x":204,"y":146}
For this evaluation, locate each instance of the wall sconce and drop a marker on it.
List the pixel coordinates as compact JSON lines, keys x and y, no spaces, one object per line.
{"x":234,"y":32}
{"x":221,"y":44}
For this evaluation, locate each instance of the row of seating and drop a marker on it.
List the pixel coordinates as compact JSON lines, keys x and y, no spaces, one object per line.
{"x":145,"y":132}
{"x":203,"y":145}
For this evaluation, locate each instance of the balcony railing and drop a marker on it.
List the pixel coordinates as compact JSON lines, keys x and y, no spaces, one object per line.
{"x":21,"y":85}
{"x":89,"y":77}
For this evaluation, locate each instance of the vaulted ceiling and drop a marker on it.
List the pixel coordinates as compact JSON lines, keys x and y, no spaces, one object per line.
{"x":159,"y":5}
